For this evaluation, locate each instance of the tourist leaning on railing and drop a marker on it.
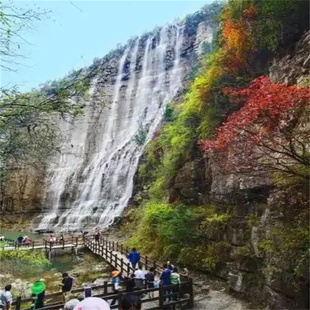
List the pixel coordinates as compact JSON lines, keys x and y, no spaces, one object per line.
{"x":6,"y":298}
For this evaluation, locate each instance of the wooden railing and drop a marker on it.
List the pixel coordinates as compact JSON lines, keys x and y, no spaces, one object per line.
{"x":180,"y":294}
{"x":104,"y":246}
{"x":106,"y":288}
{"x":105,"y":249}
{"x":75,"y":241}
{"x":17,"y":245}
{"x":43,"y":243}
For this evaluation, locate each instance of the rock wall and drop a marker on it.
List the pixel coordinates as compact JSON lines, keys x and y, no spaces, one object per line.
{"x":90,"y":182}
{"x":264,"y":240}
{"x":23,"y":191}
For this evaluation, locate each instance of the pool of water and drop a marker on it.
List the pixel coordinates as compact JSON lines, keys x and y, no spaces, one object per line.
{"x":15,"y":234}
{"x":60,"y":263}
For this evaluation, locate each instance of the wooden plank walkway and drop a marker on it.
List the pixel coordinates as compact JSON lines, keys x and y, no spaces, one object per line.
{"x":68,"y":242}
{"x":116,"y":255}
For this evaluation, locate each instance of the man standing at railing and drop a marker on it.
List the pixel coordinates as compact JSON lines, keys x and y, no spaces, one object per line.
{"x":6,"y":298}
{"x":20,"y":240}
{"x":67,"y":283}
{"x":139,"y":278}
{"x":165,"y":280}
{"x":134,"y":258}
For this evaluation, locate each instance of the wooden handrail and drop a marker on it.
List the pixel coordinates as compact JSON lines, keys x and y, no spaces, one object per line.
{"x":105,"y":249}
{"x":160,"y":298}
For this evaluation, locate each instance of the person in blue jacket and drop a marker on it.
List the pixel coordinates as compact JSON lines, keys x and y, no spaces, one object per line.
{"x":134,"y":258}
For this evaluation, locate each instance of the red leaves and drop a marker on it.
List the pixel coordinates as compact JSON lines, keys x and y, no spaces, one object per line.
{"x":267,"y":115}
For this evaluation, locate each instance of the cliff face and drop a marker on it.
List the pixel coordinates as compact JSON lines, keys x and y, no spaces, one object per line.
{"x":262,"y":214}
{"x":91,"y":181}
{"x":23,"y":191}
{"x":262,"y":241}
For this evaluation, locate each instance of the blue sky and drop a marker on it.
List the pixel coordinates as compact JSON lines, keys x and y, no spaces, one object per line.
{"x":78,"y":31}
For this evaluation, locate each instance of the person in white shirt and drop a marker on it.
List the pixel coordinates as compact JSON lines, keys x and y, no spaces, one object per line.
{"x":139,"y":278}
{"x":6,"y":298}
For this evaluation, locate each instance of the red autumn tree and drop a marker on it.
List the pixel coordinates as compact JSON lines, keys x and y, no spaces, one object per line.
{"x":269,"y":133}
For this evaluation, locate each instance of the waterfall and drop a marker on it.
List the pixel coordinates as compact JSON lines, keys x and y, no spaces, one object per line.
{"x":91,"y":181}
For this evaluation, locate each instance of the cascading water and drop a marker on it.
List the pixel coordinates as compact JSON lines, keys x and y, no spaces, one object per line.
{"x":91,"y":182}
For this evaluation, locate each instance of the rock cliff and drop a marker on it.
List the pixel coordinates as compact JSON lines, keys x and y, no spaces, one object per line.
{"x":262,"y":241}
{"x":90,"y":182}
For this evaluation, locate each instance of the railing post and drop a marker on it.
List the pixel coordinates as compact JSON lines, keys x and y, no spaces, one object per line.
{"x":161,"y":297}
{"x":191,"y":294}
{"x":121,"y":248}
{"x":128,"y":268}
{"x":76,"y":241}
{"x":63,"y":243}
{"x":115,"y":260}
{"x":18,"y":303}
{"x":117,"y":246}
{"x":122,"y":265}
{"x":146,"y":262}
{"x":105,"y":288}
{"x":120,"y":297}
{"x":113,"y":246}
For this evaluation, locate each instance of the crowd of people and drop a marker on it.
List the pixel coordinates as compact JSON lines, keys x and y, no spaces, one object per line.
{"x":130,"y":284}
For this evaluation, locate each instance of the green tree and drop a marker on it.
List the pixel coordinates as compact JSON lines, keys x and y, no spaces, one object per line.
{"x":28,"y":131}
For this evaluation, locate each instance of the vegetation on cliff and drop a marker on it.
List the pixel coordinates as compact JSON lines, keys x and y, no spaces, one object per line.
{"x":271,"y":119}
{"x":270,"y":131}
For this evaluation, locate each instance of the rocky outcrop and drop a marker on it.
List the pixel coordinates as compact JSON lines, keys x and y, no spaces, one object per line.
{"x":23,"y":191}
{"x":263,"y":240}
{"x":293,"y":68}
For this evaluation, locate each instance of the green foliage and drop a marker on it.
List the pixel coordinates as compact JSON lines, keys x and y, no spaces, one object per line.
{"x":180,"y":233}
{"x":141,"y":135}
{"x":3,"y":244}
{"x":29,"y":135}
{"x":207,"y":13}
{"x":287,"y":249}
{"x":244,"y":251}
{"x":29,"y":256}
{"x":169,"y":113}
{"x":22,"y":261}
{"x":216,"y":253}
{"x":219,"y":218}
{"x":253,"y":220}
{"x":161,"y":226}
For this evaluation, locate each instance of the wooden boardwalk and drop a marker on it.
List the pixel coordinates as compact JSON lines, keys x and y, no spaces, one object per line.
{"x":68,"y":242}
{"x":116,"y":255}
